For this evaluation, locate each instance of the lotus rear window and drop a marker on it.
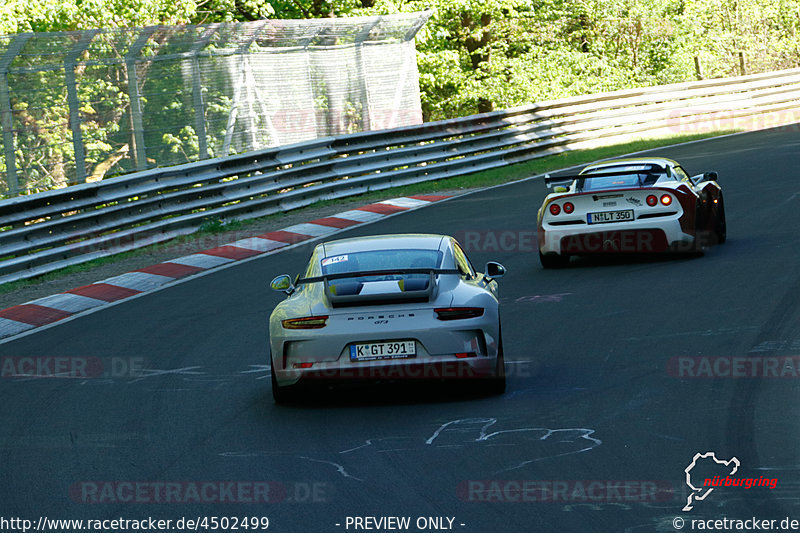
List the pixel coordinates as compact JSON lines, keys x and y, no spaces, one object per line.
{"x":622,"y":181}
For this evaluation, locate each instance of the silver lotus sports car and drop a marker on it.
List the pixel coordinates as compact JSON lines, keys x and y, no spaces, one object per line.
{"x":637,"y":205}
{"x":387,"y":308}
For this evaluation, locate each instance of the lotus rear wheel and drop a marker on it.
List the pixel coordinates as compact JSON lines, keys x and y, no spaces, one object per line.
{"x":553,"y":260}
{"x":720,"y":227}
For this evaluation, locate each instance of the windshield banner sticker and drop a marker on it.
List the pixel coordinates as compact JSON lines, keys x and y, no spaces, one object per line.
{"x":333,"y":260}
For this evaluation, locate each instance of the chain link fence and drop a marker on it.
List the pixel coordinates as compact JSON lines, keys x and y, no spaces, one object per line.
{"x":82,"y":106}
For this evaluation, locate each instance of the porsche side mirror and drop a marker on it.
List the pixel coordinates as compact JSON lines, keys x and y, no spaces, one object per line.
{"x":282,"y":283}
{"x":495,"y":270}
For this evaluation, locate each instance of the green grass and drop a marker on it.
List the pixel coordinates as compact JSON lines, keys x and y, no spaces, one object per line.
{"x":219,"y":226}
{"x":470,"y":181}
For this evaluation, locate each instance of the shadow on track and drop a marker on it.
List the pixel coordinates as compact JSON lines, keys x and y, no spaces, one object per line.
{"x":377,"y":393}
{"x":607,"y":260}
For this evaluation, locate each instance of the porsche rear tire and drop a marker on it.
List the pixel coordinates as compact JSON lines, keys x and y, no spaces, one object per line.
{"x":281,"y":395}
{"x":496,"y":384}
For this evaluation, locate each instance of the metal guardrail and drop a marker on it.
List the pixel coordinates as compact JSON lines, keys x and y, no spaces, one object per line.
{"x":47,"y":231}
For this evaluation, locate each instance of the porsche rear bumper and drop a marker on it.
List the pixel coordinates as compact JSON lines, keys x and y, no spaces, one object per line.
{"x":451,"y":349}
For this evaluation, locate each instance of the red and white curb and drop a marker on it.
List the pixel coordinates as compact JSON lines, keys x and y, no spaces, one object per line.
{"x":49,"y":309}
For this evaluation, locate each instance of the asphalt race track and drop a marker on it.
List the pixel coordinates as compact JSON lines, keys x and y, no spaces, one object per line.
{"x":601,"y":418}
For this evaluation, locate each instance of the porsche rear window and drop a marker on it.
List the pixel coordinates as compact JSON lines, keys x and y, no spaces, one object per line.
{"x":380,"y":260}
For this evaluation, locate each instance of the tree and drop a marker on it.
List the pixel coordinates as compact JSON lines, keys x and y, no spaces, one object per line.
{"x":18,"y":16}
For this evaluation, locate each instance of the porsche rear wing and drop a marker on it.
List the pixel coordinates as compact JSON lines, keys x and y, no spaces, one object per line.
{"x":403,"y":291}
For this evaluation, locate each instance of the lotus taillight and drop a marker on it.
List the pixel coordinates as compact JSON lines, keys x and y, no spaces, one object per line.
{"x":458,"y":313}
{"x":569,"y":208}
{"x":306,"y":322}
{"x":554,"y":209}
{"x":666,"y":199}
{"x":651,"y":200}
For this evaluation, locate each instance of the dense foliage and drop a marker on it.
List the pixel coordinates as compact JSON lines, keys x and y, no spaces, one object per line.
{"x":476,"y":55}
{"x":473,"y":56}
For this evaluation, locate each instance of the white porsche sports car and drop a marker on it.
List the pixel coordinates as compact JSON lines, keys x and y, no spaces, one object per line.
{"x":387,"y":308}
{"x":640,"y":205}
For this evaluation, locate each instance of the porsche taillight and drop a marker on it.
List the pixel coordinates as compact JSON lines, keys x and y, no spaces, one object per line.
{"x":458,"y":313}
{"x":306,"y":322}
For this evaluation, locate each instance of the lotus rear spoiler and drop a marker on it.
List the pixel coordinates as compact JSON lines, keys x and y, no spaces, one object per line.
{"x":558,"y":181}
{"x":567,"y":179}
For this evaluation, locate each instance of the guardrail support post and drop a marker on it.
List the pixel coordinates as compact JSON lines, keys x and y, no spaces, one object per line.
{"x":244,"y":62}
{"x":139,"y":152}
{"x":70,"y":62}
{"x":698,"y":68}
{"x":199,"y":109}
{"x":6,"y":116}
{"x":197,"y":92}
{"x":309,"y":70}
{"x":233,"y":113}
{"x":362,"y":36}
